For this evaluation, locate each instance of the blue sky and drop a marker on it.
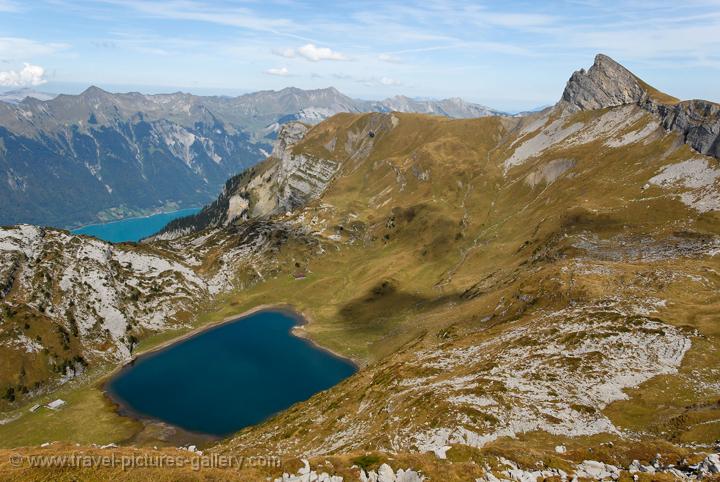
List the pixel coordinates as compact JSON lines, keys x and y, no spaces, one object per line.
{"x":510,"y":55}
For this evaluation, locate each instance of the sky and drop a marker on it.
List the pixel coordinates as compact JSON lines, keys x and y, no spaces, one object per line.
{"x":510,"y":55}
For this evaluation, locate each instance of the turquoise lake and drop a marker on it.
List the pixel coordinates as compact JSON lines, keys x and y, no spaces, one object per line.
{"x":133,"y":229}
{"x":228,"y":377}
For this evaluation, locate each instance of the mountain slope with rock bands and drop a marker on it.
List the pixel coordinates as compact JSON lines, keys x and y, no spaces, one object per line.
{"x":527,"y":297}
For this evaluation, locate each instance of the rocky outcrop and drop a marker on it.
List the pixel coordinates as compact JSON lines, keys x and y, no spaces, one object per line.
{"x":307,"y":474}
{"x":291,"y":177}
{"x":298,"y":177}
{"x":289,"y":135}
{"x":594,"y":470}
{"x":94,"y":289}
{"x":609,"y":84}
{"x":697,"y":120}
{"x":606,"y":84}
{"x":384,"y":473}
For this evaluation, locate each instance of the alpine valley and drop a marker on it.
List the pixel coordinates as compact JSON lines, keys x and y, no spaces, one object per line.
{"x":109,"y":156}
{"x":527,"y":297}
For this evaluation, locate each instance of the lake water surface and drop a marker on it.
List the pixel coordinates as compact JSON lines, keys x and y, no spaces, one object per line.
{"x":228,"y":377}
{"x":133,"y":229}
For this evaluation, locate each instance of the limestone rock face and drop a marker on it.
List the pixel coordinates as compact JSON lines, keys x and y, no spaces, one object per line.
{"x":297,"y":178}
{"x":697,"y":120}
{"x":289,"y":135}
{"x":606,"y":84}
{"x":609,"y":84}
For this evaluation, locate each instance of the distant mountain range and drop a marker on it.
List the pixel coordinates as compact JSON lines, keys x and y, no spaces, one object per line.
{"x":453,"y":107}
{"x":72,"y":159}
{"x":15,"y":96}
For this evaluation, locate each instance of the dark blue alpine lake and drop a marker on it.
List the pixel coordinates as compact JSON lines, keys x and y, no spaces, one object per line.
{"x":228,"y":377}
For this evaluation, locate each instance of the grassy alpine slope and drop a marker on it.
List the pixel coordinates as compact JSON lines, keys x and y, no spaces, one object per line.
{"x":508,"y":285}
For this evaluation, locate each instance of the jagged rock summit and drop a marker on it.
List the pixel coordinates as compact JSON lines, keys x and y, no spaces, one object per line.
{"x":606,"y":84}
{"x":609,"y":84}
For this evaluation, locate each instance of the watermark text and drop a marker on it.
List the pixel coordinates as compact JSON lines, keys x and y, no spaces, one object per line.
{"x":125,"y":462}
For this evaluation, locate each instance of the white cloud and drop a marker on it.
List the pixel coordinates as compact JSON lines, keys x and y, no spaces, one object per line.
{"x":315,"y":54}
{"x":281,"y":71}
{"x":310,"y":52}
{"x":29,"y":75}
{"x":389,"y":58}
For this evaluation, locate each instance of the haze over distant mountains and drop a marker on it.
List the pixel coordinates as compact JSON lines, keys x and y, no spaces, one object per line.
{"x":17,"y":95}
{"x":75,"y":159}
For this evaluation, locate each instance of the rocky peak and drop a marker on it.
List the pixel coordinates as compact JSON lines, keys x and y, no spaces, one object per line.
{"x":606,"y":84}
{"x":94,"y":92}
{"x":609,"y":84}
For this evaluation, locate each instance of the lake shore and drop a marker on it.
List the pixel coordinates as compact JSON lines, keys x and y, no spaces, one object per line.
{"x":178,"y":434}
{"x":298,"y":330}
{"x":129,"y":218}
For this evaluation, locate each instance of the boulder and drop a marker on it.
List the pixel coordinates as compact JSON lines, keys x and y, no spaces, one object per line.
{"x":711,"y":464}
{"x":592,"y":469}
{"x":386,"y":474}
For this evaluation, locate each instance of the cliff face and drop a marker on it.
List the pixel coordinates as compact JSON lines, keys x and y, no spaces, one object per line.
{"x":697,"y":120}
{"x":296,"y":178}
{"x":609,"y":84}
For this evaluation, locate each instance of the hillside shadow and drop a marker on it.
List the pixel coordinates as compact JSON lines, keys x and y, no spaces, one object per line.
{"x":385,"y":301}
